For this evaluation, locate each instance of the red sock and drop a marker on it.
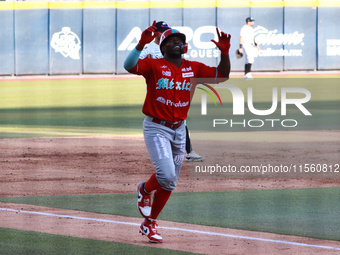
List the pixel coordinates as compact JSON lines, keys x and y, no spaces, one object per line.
{"x":160,"y":198}
{"x":152,"y":184}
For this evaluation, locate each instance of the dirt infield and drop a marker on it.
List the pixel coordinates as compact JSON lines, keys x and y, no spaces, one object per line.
{"x":97,"y":165}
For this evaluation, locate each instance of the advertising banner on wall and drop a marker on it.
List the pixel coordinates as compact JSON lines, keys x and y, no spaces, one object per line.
{"x":66,"y":41}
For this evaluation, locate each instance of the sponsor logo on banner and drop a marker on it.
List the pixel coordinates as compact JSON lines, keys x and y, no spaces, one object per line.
{"x":265,"y":37}
{"x":198,"y":48}
{"x":67,"y":43}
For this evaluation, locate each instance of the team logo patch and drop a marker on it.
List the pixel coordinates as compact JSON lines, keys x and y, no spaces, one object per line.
{"x":165,"y":83}
{"x":166,"y":73}
{"x":190,"y":74}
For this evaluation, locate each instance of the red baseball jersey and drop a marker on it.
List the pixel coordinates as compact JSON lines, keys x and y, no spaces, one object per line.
{"x":168,"y":87}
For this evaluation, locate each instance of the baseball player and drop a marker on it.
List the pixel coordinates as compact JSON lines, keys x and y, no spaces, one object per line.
{"x":169,"y":91}
{"x":152,"y":50}
{"x":247,"y":42}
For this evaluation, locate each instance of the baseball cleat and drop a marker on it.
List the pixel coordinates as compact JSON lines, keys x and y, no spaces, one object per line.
{"x":248,"y":76}
{"x":194,"y":157}
{"x":148,"y":228}
{"x":143,"y":201}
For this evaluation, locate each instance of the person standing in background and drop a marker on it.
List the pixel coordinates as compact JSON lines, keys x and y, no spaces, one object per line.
{"x":152,"y":50}
{"x":247,"y":42}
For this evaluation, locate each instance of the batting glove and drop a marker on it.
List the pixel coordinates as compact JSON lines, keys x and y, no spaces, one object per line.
{"x":148,"y":34}
{"x":223,"y":42}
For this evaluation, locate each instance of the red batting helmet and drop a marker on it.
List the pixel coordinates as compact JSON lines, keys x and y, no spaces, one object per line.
{"x":173,"y":32}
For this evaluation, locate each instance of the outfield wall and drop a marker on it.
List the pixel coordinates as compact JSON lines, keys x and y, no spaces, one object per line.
{"x":95,"y":37}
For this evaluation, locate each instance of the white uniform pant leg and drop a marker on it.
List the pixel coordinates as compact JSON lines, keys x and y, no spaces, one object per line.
{"x":249,"y":53}
{"x":166,"y":149}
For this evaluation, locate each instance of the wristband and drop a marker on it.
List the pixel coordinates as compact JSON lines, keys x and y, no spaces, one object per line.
{"x":255,"y":43}
{"x":241,"y":45}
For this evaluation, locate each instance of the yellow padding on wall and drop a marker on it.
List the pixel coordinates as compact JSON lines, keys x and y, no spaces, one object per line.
{"x":199,"y":3}
{"x":132,"y":5}
{"x":233,"y":3}
{"x":166,"y":4}
{"x":30,"y":5}
{"x":300,"y":3}
{"x":65,"y":5}
{"x":265,"y":3}
{"x":6,"y":5}
{"x":328,"y":3}
{"x":99,"y":4}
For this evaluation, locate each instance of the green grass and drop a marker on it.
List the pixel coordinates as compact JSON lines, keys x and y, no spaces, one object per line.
{"x":70,"y":121}
{"x":108,"y":107}
{"x":71,"y":107}
{"x":71,"y":93}
{"x":33,"y":243}
{"x":301,"y":212}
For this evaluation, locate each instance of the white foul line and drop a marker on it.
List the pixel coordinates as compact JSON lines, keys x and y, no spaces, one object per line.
{"x":178,"y":229}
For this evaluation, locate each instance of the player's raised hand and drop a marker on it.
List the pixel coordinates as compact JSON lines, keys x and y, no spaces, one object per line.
{"x":148,"y":34}
{"x":223,"y":42}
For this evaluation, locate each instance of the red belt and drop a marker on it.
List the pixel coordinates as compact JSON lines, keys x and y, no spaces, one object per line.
{"x":173,"y":125}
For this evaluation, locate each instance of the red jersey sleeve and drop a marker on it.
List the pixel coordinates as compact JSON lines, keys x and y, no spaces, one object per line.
{"x":205,"y":71}
{"x":143,"y":67}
